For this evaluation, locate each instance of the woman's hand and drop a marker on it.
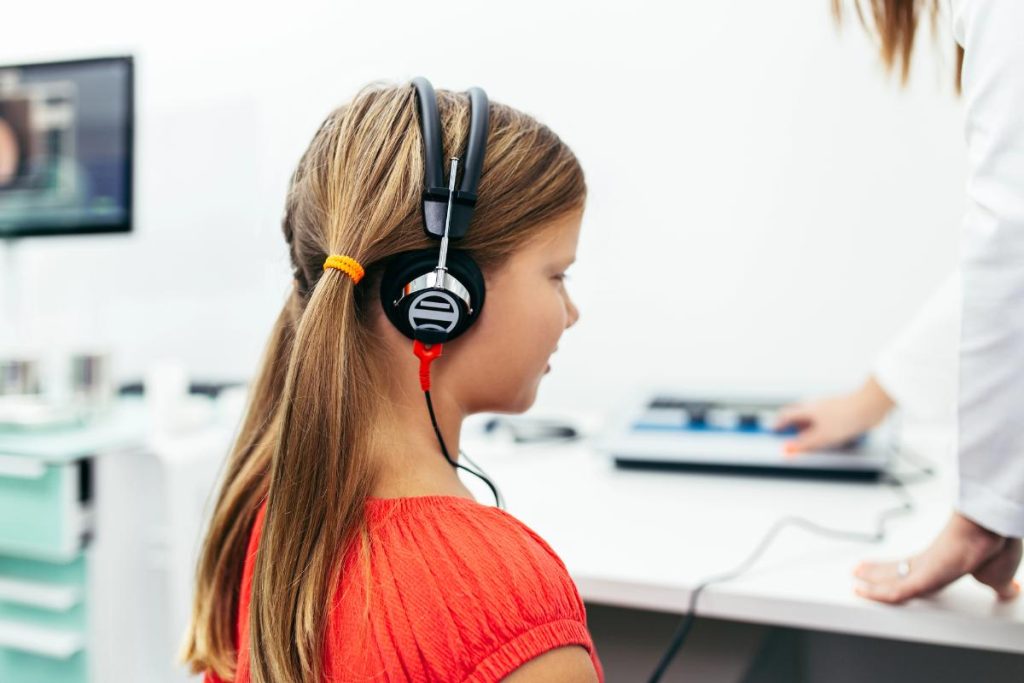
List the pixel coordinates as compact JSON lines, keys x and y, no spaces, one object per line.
{"x":963,"y":547}
{"x":834,"y":421}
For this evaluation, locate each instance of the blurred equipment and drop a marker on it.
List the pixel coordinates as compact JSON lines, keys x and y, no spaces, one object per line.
{"x":532,"y":430}
{"x":91,"y":379}
{"x":731,"y":434}
{"x":18,"y":376}
{"x":66,"y":147}
{"x":75,"y":388}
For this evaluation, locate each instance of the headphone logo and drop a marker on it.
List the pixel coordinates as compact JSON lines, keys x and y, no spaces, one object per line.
{"x":434,"y":311}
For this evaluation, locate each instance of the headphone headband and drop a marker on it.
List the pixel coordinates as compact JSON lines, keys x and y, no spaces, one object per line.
{"x":435,"y":194}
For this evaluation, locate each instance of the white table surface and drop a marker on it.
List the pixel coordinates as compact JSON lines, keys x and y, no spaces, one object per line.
{"x":645,"y":539}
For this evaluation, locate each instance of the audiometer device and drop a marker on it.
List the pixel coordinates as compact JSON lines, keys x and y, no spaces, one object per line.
{"x":731,"y":433}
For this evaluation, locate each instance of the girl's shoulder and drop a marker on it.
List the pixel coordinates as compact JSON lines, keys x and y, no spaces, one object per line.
{"x":449,"y":589}
{"x":460,"y":543}
{"x":474,"y":529}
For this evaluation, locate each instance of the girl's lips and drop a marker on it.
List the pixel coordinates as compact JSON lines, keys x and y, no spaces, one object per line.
{"x":548,"y":368}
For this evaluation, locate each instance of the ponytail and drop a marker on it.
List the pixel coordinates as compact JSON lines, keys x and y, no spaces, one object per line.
{"x":320,"y":481}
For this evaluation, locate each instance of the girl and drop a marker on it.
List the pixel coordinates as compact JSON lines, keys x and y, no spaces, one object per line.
{"x":343,"y":546}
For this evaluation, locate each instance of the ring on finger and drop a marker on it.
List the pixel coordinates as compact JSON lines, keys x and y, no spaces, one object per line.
{"x":903,"y":568}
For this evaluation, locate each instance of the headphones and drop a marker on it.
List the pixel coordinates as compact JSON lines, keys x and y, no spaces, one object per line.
{"x":434,"y":297}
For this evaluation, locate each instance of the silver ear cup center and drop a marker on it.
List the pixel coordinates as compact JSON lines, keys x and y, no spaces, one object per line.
{"x":431,"y":281}
{"x":434,"y":311}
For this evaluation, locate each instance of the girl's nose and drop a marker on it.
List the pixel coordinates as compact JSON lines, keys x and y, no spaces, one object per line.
{"x":574,"y":314}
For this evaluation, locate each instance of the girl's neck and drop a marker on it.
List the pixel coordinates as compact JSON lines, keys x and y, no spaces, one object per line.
{"x":410,"y":459}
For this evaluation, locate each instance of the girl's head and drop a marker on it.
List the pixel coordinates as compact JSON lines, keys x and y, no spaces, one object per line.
{"x":527,"y":309}
{"x":333,"y":356}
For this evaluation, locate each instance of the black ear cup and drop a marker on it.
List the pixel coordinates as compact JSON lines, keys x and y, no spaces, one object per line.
{"x":432,"y":315}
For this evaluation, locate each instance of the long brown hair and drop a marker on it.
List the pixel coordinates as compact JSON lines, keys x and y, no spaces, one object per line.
{"x":895,"y":24}
{"x":309,"y":423}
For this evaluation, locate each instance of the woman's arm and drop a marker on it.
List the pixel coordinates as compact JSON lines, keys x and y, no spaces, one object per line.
{"x":918,"y":368}
{"x":991,"y":400}
{"x":916,"y":371}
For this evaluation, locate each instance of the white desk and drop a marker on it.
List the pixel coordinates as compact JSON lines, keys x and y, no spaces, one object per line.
{"x":644,"y":539}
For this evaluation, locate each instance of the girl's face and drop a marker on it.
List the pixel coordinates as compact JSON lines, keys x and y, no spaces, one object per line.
{"x":498,"y":364}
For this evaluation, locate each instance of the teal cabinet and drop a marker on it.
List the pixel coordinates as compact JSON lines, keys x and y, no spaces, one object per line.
{"x":43,"y":620}
{"x":46,"y":510}
{"x":43,"y":507}
{"x":23,"y":667}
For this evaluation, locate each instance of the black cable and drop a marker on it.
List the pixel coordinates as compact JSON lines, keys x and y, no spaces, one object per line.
{"x":444,"y":451}
{"x":500,"y":499}
{"x":906,"y":507}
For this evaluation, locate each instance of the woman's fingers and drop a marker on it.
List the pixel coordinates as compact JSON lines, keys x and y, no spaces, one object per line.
{"x":998,"y":571}
{"x":890,"y":592}
{"x":810,"y":439}
{"x":962,"y":548}
{"x":822,"y":424}
{"x":802,"y":417}
{"x":877,"y":572}
{"x":1007,"y":590}
{"x":883,"y":581}
{"x":793,"y":416}
{"x":818,"y":425}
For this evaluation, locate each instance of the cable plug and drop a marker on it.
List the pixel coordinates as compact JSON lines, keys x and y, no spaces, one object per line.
{"x":427,"y":353}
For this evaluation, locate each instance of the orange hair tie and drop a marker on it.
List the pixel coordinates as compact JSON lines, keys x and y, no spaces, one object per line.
{"x":347,"y":265}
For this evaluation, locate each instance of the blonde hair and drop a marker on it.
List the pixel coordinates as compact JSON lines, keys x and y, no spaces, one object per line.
{"x":896,"y":24}
{"x":308,"y":426}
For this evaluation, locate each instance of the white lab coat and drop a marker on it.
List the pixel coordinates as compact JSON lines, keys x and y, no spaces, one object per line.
{"x":989,"y":311}
{"x":918,"y":368}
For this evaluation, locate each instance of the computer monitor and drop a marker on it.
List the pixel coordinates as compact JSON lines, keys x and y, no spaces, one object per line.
{"x":66,"y":147}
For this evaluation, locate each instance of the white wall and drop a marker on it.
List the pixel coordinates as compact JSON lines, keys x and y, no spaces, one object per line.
{"x":766,"y":207}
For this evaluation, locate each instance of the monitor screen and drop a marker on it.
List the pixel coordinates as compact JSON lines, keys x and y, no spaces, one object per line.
{"x":66,"y":147}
